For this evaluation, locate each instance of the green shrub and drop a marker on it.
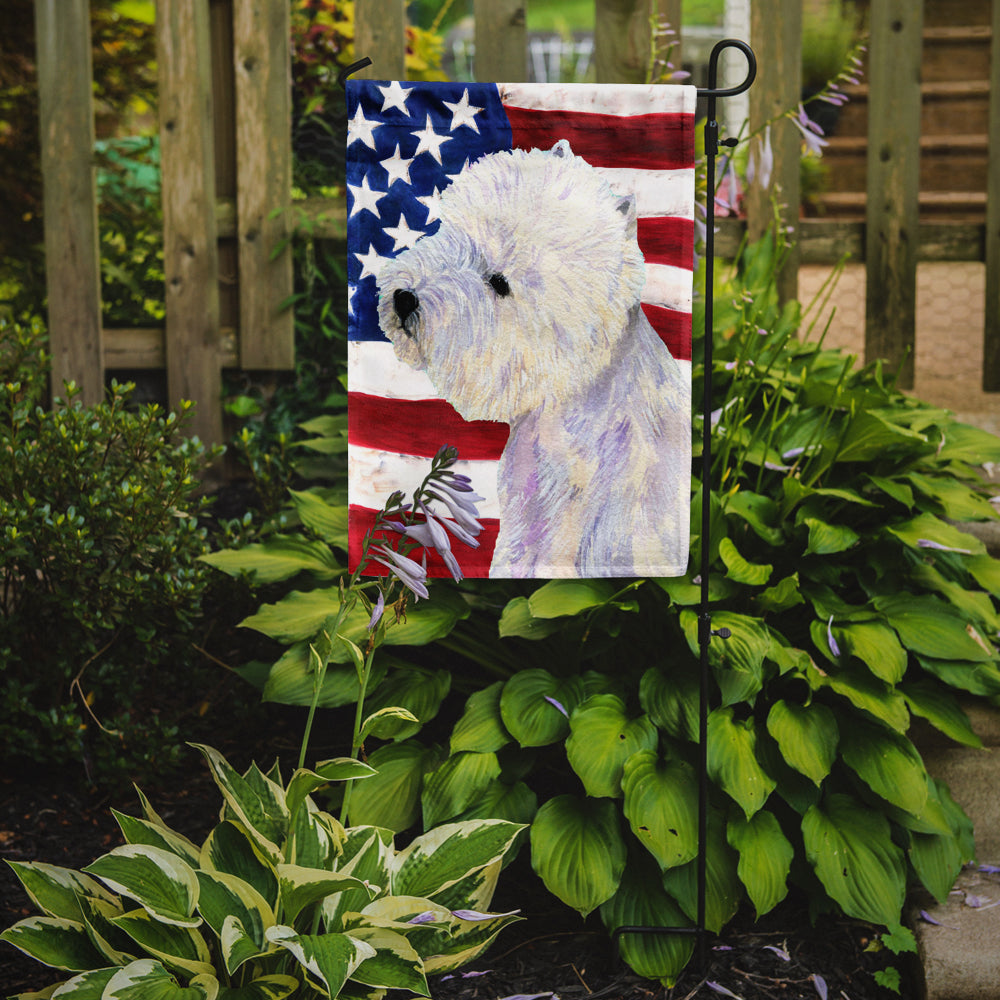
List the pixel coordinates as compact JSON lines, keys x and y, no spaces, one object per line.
{"x":99,"y":540}
{"x":279,"y":900}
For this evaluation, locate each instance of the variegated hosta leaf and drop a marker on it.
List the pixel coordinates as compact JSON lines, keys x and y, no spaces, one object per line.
{"x":256,"y":801}
{"x":456,"y":784}
{"x":475,"y":891}
{"x":661,"y":799}
{"x":56,"y":891}
{"x":850,"y":847}
{"x":315,"y":838}
{"x":602,"y":737}
{"x":158,"y":880}
{"x":395,"y":964}
{"x":367,"y":853}
{"x":177,"y":947}
{"x":642,"y":902}
{"x":230,"y":849}
{"x":147,"y":979}
{"x":300,"y":887}
{"x":116,"y":946}
{"x":466,"y":941}
{"x":481,"y":727}
{"x":141,"y":831}
{"x":54,"y":941}
{"x":732,"y":760}
{"x":274,"y":987}
{"x":304,"y":782}
{"x":765,"y":858}
{"x":441,"y":857}
{"x":807,"y":736}
{"x":329,"y":959}
{"x":86,"y":986}
{"x":578,"y":851}
{"x":225,"y":897}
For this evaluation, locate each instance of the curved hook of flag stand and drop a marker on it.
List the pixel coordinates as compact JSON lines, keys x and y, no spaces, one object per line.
{"x":705,"y":631}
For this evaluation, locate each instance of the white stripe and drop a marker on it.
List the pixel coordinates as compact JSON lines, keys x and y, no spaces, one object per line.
{"x":373,"y":475}
{"x":668,"y":286}
{"x":657,"y":192}
{"x":605,"y":99}
{"x":373,"y":368}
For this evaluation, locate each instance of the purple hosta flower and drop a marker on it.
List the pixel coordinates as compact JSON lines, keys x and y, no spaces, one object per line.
{"x":927,"y":543}
{"x":466,"y":975}
{"x":761,"y":163}
{"x":820,"y":983}
{"x":834,"y":648}
{"x":377,"y":611}
{"x":475,"y":915}
{"x":989,"y":869}
{"x":552,"y":701}
{"x":719,"y":988}
{"x":811,"y":132}
{"x":531,"y":996}
{"x":727,"y":198}
{"x":780,"y":952}
{"x":411,"y":574}
{"x":427,"y":917}
{"x":927,"y":918}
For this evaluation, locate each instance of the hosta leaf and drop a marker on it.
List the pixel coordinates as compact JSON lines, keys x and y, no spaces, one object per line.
{"x":387,"y":723}
{"x":56,"y":891}
{"x":670,"y":698}
{"x":732,"y":760}
{"x":330,"y":959}
{"x":327,"y":520}
{"x":391,"y":798}
{"x":976,"y":605}
{"x":147,"y":979}
{"x":738,"y":661}
{"x":976,"y":678}
{"x":739,"y":569}
{"x":641,"y":901}
{"x":481,"y":727}
{"x":765,"y":858}
{"x":957,"y":501}
{"x":456,"y":784}
{"x":98,"y":916}
{"x":301,"y":887}
{"x":180,"y":948}
{"x":230,"y":849}
{"x":141,"y":831}
{"x":866,"y":692}
{"x":395,"y":964}
{"x":931,"y":628}
{"x":516,"y":803}
{"x":965,"y":443}
{"x":530,"y":706}
{"x":986,"y":571}
{"x":601,"y":739}
{"x":86,"y":986}
{"x":569,"y":597}
{"x":941,"y":709}
{"x":225,"y":897}
{"x":54,"y":941}
{"x":304,"y":782}
{"x":850,"y":848}
{"x":758,"y":511}
{"x":578,"y":851}
{"x":280,"y":557}
{"x":274,"y":987}
{"x":517,"y":620}
{"x":683,"y":591}
{"x":415,"y":689}
{"x":876,"y":646}
{"x":661,"y":798}
{"x":928,"y":528}
{"x":807,"y":736}
{"x":870,"y":435}
{"x":366,"y":855}
{"x":937,"y":860}
{"x":723,"y":889}
{"x":783,"y":595}
{"x":159,"y":881}
{"x":465,"y":941}
{"x":888,"y":763}
{"x":441,"y":857}
{"x":827,"y":539}
{"x":291,"y":680}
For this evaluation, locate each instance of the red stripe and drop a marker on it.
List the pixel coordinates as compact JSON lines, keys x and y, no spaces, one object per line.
{"x":667,"y":240}
{"x":474,"y":562}
{"x":644,"y":142}
{"x":673,"y":327}
{"x":420,"y":427}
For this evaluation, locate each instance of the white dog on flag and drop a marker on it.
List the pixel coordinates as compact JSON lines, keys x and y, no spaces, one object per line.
{"x":524,"y":308}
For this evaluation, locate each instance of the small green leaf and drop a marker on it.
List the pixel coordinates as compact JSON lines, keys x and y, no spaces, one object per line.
{"x":481,"y":727}
{"x":732,"y":760}
{"x":517,"y":620}
{"x":828,"y":539}
{"x":739,"y":569}
{"x":765,"y":858}
{"x":807,"y":736}
{"x":327,"y":520}
{"x":558,"y":598}
{"x":279,"y":558}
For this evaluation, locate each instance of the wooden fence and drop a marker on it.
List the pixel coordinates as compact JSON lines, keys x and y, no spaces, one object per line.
{"x":226,"y":161}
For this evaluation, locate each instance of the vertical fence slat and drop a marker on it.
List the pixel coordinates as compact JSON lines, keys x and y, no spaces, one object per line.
{"x":991,"y":332}
{"x":892,"y":215}
{"x":261,"y":56}
{"x":72,"y":257}
{"x":501,"y":41}
{"x":190,"y":253}
{"x":776,"y":34}
{"x":380,"y":34}
{"x":621,"y":40}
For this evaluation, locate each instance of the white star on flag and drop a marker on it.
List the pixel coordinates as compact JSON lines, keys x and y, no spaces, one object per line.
{"x":365,"y":197}
{"x":371,"y":263}
{"x":463,"y":113}
{"x":397,"y":168}
{"x":395,"y":96}
{"x":402,"y":235}
{"x":360,"y":128}
{"x":430,"y":141}
{"x":432,"y":203}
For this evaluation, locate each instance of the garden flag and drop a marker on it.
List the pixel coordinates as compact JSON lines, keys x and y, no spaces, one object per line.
{"x":520,"y":277}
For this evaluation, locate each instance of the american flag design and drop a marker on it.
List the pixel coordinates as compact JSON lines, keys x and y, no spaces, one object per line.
{"x":406,"y":142}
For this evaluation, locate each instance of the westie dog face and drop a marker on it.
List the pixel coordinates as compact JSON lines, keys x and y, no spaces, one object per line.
{"x":524,"y":291}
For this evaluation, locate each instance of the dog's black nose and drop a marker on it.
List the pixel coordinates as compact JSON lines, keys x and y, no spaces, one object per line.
{"x":405,"y":303}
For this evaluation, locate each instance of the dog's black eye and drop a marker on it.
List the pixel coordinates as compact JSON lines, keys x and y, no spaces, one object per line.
{"x":499,"y":284}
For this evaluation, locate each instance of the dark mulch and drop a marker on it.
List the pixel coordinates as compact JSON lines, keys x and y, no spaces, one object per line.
{"x":551,"y":951}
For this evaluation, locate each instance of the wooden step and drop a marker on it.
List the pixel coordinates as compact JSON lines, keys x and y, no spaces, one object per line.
{"x":956,"y":53}
{"x":957,"y":206}
{"x":940,"y":13}
{"x":947,"y":162}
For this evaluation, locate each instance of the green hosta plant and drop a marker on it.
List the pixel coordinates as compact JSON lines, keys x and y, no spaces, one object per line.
{"x":279,"y":900}
{"x":855,"y":603}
